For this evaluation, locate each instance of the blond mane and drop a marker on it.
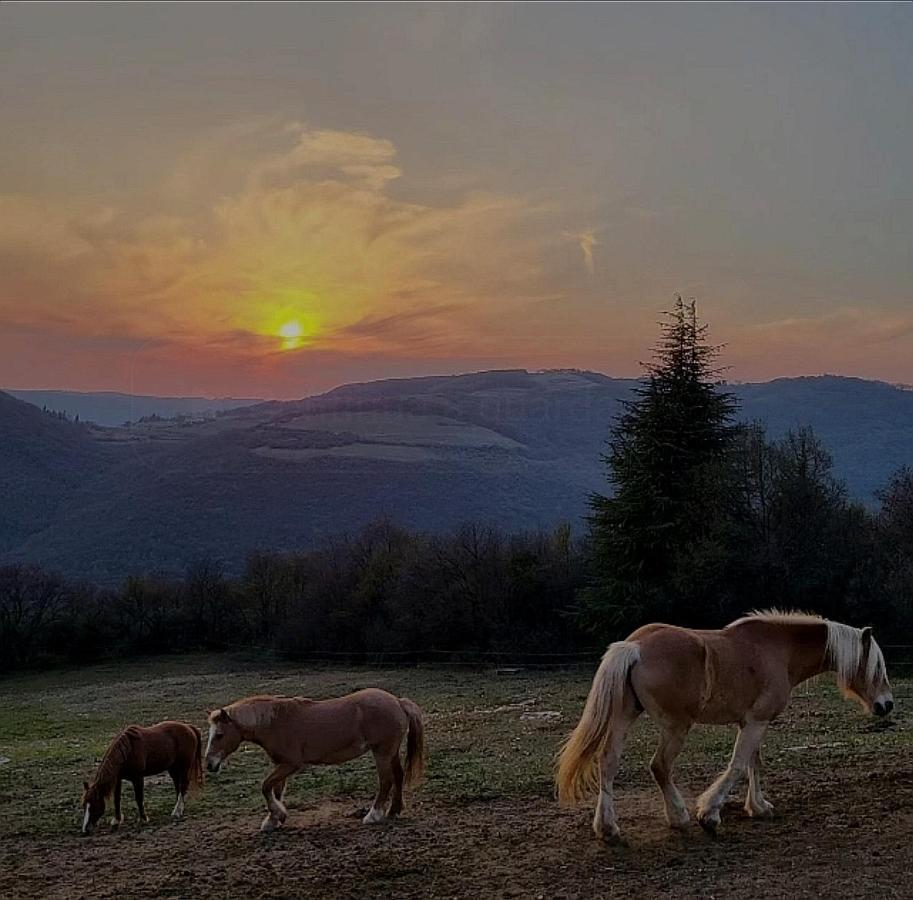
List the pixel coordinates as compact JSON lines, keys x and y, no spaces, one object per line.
{"x":844,"y":642}
{"x":253,"y":712}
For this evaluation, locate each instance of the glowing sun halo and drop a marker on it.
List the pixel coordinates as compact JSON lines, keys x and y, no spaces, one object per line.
{"x":292,"y":335}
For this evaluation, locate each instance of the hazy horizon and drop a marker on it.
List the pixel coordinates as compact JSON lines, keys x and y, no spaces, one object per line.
{"x":236,"y":201}
{"x":248,"y":396}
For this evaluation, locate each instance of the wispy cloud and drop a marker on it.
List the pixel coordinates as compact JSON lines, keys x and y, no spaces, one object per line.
{"x":586,"y":241}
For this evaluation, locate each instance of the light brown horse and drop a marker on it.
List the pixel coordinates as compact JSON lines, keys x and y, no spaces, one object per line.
{"x":136,"y":752}
{"x":742,"y":674}
{"x":297,"y":732}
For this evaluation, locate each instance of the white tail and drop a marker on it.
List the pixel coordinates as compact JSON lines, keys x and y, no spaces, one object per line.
{"x":577,"y":769}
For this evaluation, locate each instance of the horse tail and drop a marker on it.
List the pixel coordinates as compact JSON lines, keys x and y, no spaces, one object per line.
{"x":577,"y":763}
{"x":415,"y":742}
{"x":196,"y":764}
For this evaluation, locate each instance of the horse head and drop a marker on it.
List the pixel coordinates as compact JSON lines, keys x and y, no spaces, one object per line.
{"x":867,"y":680}
{"x":224,"y":739}
{"x":93,"y":804}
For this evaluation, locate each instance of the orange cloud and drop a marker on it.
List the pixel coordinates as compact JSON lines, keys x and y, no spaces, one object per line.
{"x":311,"y":234}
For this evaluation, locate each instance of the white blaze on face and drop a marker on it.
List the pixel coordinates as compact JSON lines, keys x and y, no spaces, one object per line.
{"x":85,"y":820}
{"x":215,"y":760}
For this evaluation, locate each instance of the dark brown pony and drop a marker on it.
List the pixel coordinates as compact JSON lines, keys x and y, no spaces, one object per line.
{"x":136,"y":752}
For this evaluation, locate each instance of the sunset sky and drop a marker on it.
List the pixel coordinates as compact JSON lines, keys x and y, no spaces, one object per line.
{"x":273,"y":200}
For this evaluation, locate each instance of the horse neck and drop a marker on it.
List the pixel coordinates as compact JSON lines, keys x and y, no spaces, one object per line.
{"x":254,"y":731}
{"x":108,"y":775}
{"x":807,"y":650}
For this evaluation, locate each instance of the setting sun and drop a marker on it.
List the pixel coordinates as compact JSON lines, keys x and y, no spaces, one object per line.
{"x":292,"y":334}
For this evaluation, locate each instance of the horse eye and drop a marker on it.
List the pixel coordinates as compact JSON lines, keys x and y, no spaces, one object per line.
{"x":220,"y":734}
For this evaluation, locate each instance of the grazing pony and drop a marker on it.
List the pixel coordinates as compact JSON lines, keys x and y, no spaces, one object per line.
{"x":297,"y":732}
{"x":171,"y":747}
{"x":741,"y":674}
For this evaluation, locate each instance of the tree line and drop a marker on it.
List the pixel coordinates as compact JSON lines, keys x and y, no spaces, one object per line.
{"x":704,"y":520}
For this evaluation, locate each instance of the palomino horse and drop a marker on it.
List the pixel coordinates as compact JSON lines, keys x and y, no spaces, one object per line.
{"x":297,"y":732}
{"x":741,"y":674}
{"x":171,"y":747}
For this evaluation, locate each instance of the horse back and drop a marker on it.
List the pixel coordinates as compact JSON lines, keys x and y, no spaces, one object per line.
{"x":158,"y":748}
{"x":708,"y":676}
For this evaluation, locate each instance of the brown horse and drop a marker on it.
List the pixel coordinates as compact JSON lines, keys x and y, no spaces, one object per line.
{"x":741,"y":674}
{"x":171,"y":747}
{"x":297,"y":732}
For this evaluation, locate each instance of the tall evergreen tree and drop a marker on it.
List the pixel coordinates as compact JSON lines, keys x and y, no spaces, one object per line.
{"x":656,"y":541}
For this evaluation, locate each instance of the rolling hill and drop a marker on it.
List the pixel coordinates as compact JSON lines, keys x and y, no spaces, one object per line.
{"x":514,"y":449}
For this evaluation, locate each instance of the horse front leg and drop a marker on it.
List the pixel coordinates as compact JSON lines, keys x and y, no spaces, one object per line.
{"x":275,"y":781}
{"x":711,"y":801}
{"x":118,"y":819}
{"x":138,"y":794}
{"x":756,"y":804}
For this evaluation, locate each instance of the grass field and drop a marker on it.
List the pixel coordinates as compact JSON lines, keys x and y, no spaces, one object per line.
{"x":484,"y":823}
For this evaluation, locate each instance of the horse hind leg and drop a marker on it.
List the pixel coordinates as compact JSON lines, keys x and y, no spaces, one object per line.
{"x":756,"y":804}
{"x":670,"y":744}
{"x":181,"y":786}
{"x":605,"y":823}
{"x":396,"y":805}
{"x":385,"y":783}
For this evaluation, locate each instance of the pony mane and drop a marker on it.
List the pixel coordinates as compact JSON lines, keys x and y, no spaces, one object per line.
{"x":252,"y":712}
{"x":844,"y":646}
{"x":111,"y":763}
{"x":785,"y":616}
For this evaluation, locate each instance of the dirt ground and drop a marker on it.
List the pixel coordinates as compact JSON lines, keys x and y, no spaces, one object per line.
{"x":484,"y":824}
{"x":839,"y":837}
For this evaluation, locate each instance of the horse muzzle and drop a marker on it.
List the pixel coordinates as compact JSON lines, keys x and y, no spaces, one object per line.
{"x":213,"y":765}
{"x":882,"y":709}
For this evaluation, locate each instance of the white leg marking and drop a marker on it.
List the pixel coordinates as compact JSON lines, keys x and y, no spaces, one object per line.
{"x":178,"y":810}
{"x":85,"y":821}
{"x":712,"y":800}
{"x":756,"y":804}
{"x":374,"y":815}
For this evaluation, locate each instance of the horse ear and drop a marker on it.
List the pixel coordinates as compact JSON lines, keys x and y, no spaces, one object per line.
{"x":85,"y":785}
{"x":223,"y":716}
{"x":866,"y":635}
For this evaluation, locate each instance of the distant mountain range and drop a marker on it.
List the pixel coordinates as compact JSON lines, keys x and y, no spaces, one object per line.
{"x":515,"y":449}
{"x":112,"y":408}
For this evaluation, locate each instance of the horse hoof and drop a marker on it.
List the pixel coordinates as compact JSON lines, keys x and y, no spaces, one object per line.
{"x":764,"y":812}
{"x":710,"y":822}
{"x":680,"y":824}
{"x":269,"y":824}
{"x":116,"y":823}
{"x":374,"y":817}
{"x":613,"y":839}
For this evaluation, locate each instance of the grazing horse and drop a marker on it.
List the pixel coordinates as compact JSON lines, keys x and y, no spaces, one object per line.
{"x":742,"y":674}
{"x":297,"y":732}
{"x":171,"y":747}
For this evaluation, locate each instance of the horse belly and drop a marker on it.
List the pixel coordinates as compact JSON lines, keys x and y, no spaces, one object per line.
{"x":333,"y":756}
